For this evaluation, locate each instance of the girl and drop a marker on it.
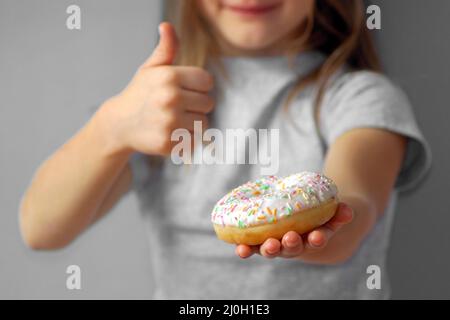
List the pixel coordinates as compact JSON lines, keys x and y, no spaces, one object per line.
{"x":307,"y":68}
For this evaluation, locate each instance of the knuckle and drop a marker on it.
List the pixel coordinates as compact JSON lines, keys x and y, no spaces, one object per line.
{"x":171,"y":97}
{"x":208,"y":78}
{"x":205,"y":78}
{"x":168,"y":75}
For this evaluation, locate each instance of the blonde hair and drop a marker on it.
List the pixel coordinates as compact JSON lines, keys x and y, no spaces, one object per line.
{"x":336,"y":29}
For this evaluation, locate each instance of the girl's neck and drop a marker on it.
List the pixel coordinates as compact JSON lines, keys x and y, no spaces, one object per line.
{"x":229,"y":50}
{"x":287,"y":46}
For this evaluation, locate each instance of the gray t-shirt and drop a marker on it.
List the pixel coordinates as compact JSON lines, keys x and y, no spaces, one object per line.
{"x":189,"y":262}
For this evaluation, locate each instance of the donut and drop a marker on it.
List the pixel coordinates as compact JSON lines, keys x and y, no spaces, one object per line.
{"x":270,"y":206}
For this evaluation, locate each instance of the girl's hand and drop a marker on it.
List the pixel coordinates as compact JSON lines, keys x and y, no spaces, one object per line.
{"x":293,"y":245}
{"x":159,"y":99}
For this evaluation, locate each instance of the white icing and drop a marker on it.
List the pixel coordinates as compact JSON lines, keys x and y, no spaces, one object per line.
{"x":270,"y":199}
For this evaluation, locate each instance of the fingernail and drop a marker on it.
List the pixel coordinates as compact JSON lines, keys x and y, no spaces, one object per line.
{"x":345,"y":208}
{"x":292,"y":242}
{"x":272,"y":250}
{"x":349,"y":211}
{"x":316,"y":242}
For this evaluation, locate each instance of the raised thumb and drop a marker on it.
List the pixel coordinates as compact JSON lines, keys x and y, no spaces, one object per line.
{"x":166,"y":50}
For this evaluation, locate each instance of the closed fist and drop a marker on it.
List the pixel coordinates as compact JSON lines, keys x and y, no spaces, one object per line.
{"x":159,"y":99}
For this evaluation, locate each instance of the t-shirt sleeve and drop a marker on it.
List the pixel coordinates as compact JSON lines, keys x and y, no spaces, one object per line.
{"x":365,"y":99}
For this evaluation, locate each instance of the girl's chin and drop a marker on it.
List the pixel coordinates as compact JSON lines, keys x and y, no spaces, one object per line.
{"x":247,"y":38}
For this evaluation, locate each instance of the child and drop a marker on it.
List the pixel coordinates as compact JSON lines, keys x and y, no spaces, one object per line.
{"x":304,"y":67}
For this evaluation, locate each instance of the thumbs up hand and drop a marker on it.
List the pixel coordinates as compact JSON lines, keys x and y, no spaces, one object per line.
{"x":159,"y":99}
{"x":166,"y":50}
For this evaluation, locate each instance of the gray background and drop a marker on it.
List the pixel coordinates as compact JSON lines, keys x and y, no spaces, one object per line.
{"x":52,"y":78}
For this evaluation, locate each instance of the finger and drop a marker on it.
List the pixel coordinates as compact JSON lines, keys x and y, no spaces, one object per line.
{"x":166,"y":50}
{"x":344,"y":215}
{"x":244,"y":251}
{"x":270,"y":248}
{"x":196,"y":102}
{"x":292,"y":245}
{"x":193,"y":122}
{"x":318,"y":238}
{"x":194,"y":78}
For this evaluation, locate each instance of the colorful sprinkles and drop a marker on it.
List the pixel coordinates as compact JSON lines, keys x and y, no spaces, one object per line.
{"x":269,"y":199}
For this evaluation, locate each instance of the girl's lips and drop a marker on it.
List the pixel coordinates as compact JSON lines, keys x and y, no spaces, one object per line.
{"x":252,"y":10}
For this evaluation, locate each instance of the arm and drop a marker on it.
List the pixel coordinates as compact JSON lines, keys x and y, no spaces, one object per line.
{"x":364,"y":163}
{"x":72,"y":188}
{"x":87,"y":176}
